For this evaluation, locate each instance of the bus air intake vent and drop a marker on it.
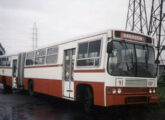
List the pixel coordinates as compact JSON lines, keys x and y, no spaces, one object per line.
{"x":136,"y":83}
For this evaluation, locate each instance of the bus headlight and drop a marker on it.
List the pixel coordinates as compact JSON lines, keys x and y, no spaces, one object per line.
{"x":154,"y":91}
{"x":119,"y":91}
{"x":114,"y":91}
{"x":150,"y":91}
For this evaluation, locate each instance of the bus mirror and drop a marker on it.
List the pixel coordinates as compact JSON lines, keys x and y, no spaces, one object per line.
{"x":110,"y":47}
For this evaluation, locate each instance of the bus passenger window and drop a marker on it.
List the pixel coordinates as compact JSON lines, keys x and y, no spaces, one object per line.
{"x":82,"y":53}
{"x":30,"y":58}
{"x":40,"y":56}
{"x":52,"y":54}
{"x":89,"y":53}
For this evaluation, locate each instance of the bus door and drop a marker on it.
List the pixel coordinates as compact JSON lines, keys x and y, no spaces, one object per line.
{"x":14,"y":73}
{"x":68,"y":81}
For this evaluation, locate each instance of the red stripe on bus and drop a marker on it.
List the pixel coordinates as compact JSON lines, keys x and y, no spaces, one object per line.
{"x":45,"y":86}
{"x":90,"y":71}
{"x":42,"y":66}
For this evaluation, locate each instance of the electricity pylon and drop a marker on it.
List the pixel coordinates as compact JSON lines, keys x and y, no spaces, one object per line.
{"x":137,"y":16}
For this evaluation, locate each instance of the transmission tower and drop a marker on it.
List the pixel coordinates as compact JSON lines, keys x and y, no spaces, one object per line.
{"x":137,"y":16}
{"x":35,"y":36}
{"x":157,"y":25}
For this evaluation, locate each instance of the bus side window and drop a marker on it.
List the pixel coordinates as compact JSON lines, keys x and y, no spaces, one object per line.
{"x":52,"y":55}
{"x":8,"y":61}
{"x":40,"y":57}
{"x":89,"y":53}
{"x":30,"y":58}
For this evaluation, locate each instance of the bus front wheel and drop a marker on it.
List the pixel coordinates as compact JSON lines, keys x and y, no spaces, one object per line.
{"x":86,"y":99}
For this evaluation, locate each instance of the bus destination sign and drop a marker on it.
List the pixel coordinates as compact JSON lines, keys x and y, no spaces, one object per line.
{"x":132,"y":36}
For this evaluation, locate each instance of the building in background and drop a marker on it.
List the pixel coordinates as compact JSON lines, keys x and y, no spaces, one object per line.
{"x":2,"y":50}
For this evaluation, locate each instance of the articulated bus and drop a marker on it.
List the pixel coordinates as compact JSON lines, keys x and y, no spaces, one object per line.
{"x":109,"y":68}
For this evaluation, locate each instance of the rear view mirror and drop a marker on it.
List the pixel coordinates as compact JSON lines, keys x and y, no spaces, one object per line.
{"x":110,"y":47}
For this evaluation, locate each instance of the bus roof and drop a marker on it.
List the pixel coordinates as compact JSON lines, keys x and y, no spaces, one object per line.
{"x":108,"y":32}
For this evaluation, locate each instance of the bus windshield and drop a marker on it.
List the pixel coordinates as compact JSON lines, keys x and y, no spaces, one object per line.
{"x":130,"y":59}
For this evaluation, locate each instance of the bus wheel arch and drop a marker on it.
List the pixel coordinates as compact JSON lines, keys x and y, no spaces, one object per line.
{"x":84,"y":95}
{"x":31,"y":87}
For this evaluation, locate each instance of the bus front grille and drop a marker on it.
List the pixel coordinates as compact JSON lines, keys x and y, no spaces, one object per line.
{"x":136,"y":83}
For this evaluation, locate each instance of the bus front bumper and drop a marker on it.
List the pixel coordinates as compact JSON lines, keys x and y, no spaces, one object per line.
{"x":134,"y":97}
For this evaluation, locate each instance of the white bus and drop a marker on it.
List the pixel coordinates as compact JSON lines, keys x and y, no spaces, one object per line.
{"x":108,"y":68}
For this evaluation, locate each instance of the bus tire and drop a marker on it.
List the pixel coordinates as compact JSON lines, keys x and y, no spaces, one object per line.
{"x":31,"y":88}
{"x":86,"y":99}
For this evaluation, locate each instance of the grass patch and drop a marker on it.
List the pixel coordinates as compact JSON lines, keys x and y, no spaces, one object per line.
{"x":161,"y":93}
{"x":161,"y":105}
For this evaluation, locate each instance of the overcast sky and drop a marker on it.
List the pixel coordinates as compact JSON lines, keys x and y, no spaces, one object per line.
{"x":57,"y":20}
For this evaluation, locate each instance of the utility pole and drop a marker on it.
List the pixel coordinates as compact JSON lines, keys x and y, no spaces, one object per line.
{"x":137,"y":16}
{"x":35,"y":36}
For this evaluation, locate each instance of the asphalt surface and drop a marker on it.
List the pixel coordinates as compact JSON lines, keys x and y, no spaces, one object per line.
{"x":19,"y":106}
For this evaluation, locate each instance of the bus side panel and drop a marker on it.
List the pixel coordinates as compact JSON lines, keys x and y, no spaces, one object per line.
{"x":46,"y":86}
{"x":98,"y":91}
{"x":8,"y":81}
{"x":6,"y":73}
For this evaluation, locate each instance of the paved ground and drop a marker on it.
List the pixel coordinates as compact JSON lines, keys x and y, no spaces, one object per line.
{"x":20,"y":106}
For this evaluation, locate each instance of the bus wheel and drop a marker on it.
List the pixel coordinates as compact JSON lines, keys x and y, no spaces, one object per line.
{"x":30,"y":88}
{"x":87,"y":100}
